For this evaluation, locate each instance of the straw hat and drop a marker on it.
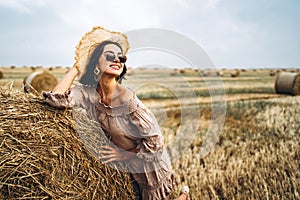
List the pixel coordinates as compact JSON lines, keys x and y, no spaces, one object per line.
{"x":92,"y":39}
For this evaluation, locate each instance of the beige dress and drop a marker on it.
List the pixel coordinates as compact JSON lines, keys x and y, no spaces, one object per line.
{"x":130,"y":126}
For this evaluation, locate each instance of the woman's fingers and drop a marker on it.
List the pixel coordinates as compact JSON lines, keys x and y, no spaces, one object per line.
{"x":108,"y":154}
{"x":107,"y":158}
{"x":107,"y":148}
{"x":108,"y":161}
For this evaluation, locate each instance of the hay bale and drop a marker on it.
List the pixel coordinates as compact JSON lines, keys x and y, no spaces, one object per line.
{"x":288,"y":83}
{"x":39,"y":81}
{"x":205,"y":73}
{"x":220,"y":73}
{"x":1,"y":75}
{"x":272,"y":73}
{"x":235,"y":73}
{"x":44,"y":155}
{"x":182,"y":71}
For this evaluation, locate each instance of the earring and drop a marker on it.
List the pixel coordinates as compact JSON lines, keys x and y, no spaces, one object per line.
{"x":96,"y":74}
{"x":97,"y":71}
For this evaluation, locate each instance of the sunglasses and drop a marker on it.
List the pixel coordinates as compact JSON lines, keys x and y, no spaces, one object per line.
{"x":111,"y":57}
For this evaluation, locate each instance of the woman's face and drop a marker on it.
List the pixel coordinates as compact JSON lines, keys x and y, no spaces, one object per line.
{"x":114,"y":67}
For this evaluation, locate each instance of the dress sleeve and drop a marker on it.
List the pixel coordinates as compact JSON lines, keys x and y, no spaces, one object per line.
{"x":151,"y":143}
{"x":73,"y":97}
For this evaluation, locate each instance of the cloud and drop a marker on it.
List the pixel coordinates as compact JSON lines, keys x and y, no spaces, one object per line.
{"x":15,"y":5}
{"x":212,"y":3}
{"x":113,"y":14}
{"x":233,"y":32}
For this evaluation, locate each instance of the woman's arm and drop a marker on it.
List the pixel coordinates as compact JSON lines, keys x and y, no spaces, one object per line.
{"x":65,"y":83}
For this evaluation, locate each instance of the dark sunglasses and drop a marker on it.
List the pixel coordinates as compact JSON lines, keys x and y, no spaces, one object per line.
{"x":111,"y":57}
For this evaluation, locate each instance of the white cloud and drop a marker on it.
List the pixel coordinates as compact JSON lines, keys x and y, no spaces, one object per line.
{"x":23,"y":6}
{"x":183,"y":3}
{"x":113,"y":14}
{"x":212,"y":3}
{"x":15,"y":5}
{"x":230,"y":31}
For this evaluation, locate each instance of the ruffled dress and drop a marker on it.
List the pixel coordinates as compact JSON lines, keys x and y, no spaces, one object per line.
{"x":130,"y":126}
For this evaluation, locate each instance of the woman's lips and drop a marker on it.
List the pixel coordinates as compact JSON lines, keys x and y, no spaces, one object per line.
{"x":115,"y":66}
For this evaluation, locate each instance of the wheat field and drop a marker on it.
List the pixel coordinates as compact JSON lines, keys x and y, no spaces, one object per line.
{"x":256,"y":154}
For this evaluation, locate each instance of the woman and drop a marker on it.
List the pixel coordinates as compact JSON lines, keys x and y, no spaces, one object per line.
{"x":132,"y":128}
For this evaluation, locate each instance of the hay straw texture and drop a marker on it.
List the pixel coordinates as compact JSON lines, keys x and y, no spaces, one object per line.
{"x":1,"y":74}
{"x":288,"y":83}
{"x":39,"y":81}
{"x":44,"y":154}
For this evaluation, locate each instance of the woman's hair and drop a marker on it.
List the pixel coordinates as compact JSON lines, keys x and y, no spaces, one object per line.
{"x":88,"y":76}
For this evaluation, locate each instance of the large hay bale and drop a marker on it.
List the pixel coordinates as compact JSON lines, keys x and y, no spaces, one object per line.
{"x":44,"y":155}
{"x":288,"y":83}
{"x":235,"y":73}
{"x":1,"y":74}
{"x":39,"y":81}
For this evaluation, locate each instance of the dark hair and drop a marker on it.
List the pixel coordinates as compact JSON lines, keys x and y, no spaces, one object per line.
{"x":88,"y":76}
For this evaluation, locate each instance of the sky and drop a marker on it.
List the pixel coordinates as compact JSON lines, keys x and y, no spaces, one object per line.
{"x":232,"y":33}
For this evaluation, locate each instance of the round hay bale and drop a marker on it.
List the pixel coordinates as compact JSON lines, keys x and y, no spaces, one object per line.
{"x":1,"y":75}
{"x":46,"y":153}
{"x":272,"y":73}
{"x":39,"y":81}
{"x":182,"y":71}
{"x":220,"y":73}
{"x":288,"y":83}
{"x":205,"y":73}
{"x":235,"y":73}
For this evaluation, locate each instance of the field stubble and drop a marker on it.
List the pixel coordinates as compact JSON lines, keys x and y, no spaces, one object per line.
{"x":257,"y":155}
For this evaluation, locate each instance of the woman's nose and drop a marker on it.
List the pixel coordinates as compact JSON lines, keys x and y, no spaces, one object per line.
{"x":116,"y":59}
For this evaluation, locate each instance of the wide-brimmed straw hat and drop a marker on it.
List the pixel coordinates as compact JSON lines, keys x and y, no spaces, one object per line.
{"x":92,"y":39}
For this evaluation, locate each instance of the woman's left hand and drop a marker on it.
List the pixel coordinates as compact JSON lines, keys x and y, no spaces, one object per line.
{"x":110,"y":154}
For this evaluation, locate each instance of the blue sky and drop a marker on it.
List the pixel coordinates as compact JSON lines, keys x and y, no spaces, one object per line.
{"x":233,"y":33}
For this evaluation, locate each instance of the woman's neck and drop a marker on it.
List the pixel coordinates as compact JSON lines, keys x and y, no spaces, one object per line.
{"x":106,"y":89}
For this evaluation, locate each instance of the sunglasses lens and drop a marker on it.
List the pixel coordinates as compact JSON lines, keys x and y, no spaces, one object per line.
{"x":110,"y":57}
{"x":122,"y":59}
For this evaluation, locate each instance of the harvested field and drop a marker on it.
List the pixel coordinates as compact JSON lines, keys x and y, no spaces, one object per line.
{"x":256,"y":156}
